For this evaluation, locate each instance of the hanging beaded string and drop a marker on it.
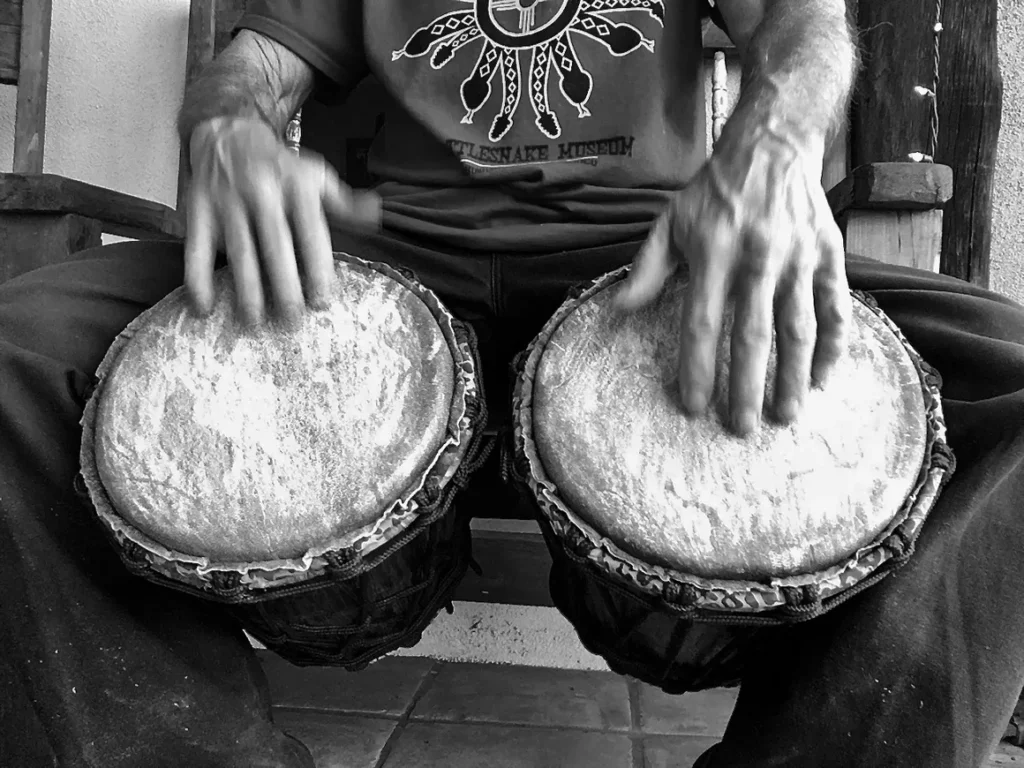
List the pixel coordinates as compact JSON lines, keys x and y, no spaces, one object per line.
{"x":932,"y":94}
{"x":719,"y":96}
{"x":293,"y":132}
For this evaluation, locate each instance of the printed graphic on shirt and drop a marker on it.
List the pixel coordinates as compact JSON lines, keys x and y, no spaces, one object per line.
{"x":480,"y":157}
{"x":532,"y":38}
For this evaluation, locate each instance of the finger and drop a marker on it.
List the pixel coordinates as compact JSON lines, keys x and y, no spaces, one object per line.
{"x":751,"y":343}
{"x":277,"y":253}
{"x":795,"y":334}
{"x":701,"y":319}
{"x":833,"y":309}
{"x":345,"y":207}
{"x":653,"y":265}
{"x":313,"y":238}
{"x":241,"y":252}
{"x":200,"y":251}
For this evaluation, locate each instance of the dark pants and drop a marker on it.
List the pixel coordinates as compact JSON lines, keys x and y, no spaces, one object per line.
{"x":103,"y":669}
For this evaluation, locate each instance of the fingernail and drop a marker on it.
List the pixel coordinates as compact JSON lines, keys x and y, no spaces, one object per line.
{"x":693,"y":403}
{"x":787,"y":410}
{"x":745,"y":422}
{"x":319,"y":303}
{"x":292,"y":319}
{"x":250,"y":319}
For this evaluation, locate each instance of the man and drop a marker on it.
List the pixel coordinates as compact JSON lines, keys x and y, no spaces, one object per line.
{"x":532,"y":145}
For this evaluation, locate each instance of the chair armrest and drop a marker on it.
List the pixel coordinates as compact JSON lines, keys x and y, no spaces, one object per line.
{"x":119,"y":214}
{"x":894,"y":187}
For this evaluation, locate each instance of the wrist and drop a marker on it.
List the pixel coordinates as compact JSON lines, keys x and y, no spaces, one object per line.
{"x":747,"y":133}
{"x":200,"y":117}
{"x":219,"y":135}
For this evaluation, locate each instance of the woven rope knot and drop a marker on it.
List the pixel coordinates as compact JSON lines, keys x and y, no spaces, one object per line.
{"x":407,"y":273}
{"x":794,"y":596}
{"x":133,"y":552}
{"x":225,"y":582}
{"x":943,"y":457}
{"x":90,"y":388}
{"x":463,"y":336}
{"x":429,"y":494}
{"x":340,"y":559}
{"x":80,"y":488}
{"x":682,"y":594}
{"x":578,"y":543}
{"x":897,"y":544}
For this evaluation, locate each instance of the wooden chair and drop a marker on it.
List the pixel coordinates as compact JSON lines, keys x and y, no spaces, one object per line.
{"x":46,"y":218}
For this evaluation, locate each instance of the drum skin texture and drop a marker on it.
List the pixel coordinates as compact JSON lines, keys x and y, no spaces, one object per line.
{"x":687,"y":494}
{"x":252,"y":446}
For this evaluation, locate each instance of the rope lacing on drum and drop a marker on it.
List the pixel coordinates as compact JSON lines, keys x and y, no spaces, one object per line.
{"x":90,"y":388}
{"x":681,"y":594}
{"x":407,"y":273}
{"x":78,"y":483}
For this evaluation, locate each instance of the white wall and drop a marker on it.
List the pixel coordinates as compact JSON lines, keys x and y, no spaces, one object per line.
{"x":1008,"y":197}
{"x":117,"y":69}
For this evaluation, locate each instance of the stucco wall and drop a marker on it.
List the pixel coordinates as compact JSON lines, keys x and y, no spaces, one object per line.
{"x":116,"y":77}
{"x":1008,"y":197}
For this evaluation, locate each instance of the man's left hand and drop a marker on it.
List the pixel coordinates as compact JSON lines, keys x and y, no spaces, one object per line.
{"x":754,"y":227}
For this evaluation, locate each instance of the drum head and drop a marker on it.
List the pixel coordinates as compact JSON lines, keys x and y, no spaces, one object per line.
{"x":236,"y":446}
{"x":608,"y":440}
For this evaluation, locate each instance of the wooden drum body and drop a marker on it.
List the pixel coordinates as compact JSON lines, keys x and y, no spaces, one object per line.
{"x":648,"y":508}
{"x":304,"y":478}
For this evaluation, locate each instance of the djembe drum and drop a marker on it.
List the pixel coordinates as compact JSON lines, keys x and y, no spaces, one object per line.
{"x":674,"y":540}
{"x":305,"y":478}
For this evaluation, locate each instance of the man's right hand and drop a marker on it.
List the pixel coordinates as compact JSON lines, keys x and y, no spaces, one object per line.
{"x":268,"y":208}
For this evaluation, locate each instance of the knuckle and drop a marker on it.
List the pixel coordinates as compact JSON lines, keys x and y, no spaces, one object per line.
{"x":751,"y":336}
{"x":264,"y":182}
{"x":759,"y":238}
{"x":699,"y":324}
{"x":797,"y":331}
{"x":758,"y":266}
{"x":835,"y":315}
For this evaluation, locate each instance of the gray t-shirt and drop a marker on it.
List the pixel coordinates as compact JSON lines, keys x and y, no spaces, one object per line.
{"x":516,"y":125}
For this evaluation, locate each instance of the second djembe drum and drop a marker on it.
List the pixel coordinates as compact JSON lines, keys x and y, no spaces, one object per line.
{"x":671,"y":535}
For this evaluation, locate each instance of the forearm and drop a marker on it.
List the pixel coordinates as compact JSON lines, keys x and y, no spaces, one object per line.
{"x":799,"y":68}
{"x":254,"y":77}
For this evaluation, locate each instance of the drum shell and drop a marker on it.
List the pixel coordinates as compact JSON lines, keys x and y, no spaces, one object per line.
{"x":353,"y":621}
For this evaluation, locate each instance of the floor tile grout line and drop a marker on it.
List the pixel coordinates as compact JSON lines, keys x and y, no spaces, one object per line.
{"x":399,"y":729}
{"x":364,"y":713}
{"x":528,"y":726}
{"x":631,"y":732}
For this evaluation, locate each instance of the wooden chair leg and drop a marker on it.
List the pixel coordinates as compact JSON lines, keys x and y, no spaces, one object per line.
{"x":906,"y":238}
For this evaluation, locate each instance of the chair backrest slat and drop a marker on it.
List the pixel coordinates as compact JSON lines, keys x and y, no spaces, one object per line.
{"x":33,"y":75}
{"x":10,"y":40}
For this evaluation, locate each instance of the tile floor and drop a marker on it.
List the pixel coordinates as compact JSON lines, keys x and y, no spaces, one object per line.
{"x":421,"y":713}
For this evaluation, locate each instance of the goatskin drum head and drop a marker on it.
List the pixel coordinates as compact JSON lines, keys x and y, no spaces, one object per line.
{"x":243,"y":446}
{"x":689,"y":495}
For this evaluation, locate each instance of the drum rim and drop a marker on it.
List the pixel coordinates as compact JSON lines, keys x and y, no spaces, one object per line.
{"x":797,"y":595}
{"x":352,"y":550}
